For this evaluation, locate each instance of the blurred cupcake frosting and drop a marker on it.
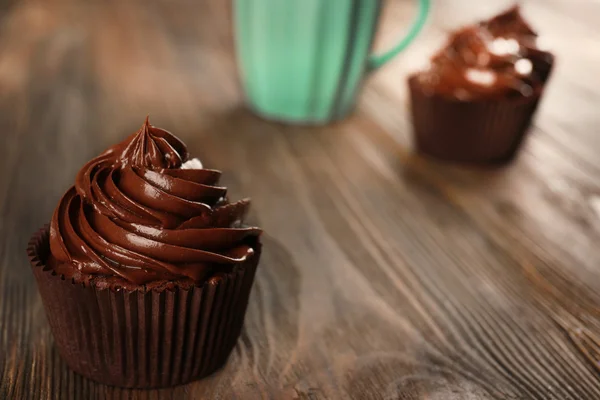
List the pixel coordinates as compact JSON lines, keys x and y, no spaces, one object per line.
{"x":496,"y":58}
{"x":142,"y":212}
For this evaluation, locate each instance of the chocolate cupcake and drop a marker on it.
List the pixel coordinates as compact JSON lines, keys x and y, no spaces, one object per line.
{"x":146,"y":268}
{"x":476,"y":100}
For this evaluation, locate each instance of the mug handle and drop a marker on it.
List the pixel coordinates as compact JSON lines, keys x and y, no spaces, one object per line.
{"x":375,"y":61}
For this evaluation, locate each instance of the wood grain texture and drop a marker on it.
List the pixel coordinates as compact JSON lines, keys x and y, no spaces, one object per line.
{"x":385,"y":275}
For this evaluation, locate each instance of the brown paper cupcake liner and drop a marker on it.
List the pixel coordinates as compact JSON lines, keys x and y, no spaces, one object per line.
{"x":142,"y":339}
{"x":487,"y":132}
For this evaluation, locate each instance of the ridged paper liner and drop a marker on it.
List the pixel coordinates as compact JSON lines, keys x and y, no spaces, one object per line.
{"x":479,"y":131}
{"x":142,"y":339}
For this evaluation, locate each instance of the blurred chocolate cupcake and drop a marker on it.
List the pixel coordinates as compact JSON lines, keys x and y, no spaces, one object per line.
{"x":146,"y":268}
{"x":476,"y":100}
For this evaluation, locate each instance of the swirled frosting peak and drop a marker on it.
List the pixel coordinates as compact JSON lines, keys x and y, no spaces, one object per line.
{"x":142,"y":212}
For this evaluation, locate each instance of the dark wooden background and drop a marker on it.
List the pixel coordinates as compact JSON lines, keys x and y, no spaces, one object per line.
{"x":385,"y":275}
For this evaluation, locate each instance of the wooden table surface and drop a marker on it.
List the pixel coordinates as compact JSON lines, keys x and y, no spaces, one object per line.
{"x":384,"y":274}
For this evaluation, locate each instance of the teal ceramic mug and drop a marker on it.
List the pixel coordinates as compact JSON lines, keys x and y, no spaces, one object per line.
{"x":303,"y":61}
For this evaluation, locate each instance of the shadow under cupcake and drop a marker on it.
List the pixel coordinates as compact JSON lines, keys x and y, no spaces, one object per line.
{"x":475,"y":102}
{"x":146,"y":268}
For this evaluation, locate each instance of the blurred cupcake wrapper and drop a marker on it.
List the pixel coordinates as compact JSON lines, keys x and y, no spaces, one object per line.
{"x":478,"y":131}
{"x":143,"y":339}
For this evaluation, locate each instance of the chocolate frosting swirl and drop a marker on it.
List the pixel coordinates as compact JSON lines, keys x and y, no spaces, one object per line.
{"x":496,"y":58}
{"x":138,"y":213}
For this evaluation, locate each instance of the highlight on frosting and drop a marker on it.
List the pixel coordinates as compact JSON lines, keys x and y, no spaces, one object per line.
{"x":495,"y":58}
{"x":142,"y":211}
